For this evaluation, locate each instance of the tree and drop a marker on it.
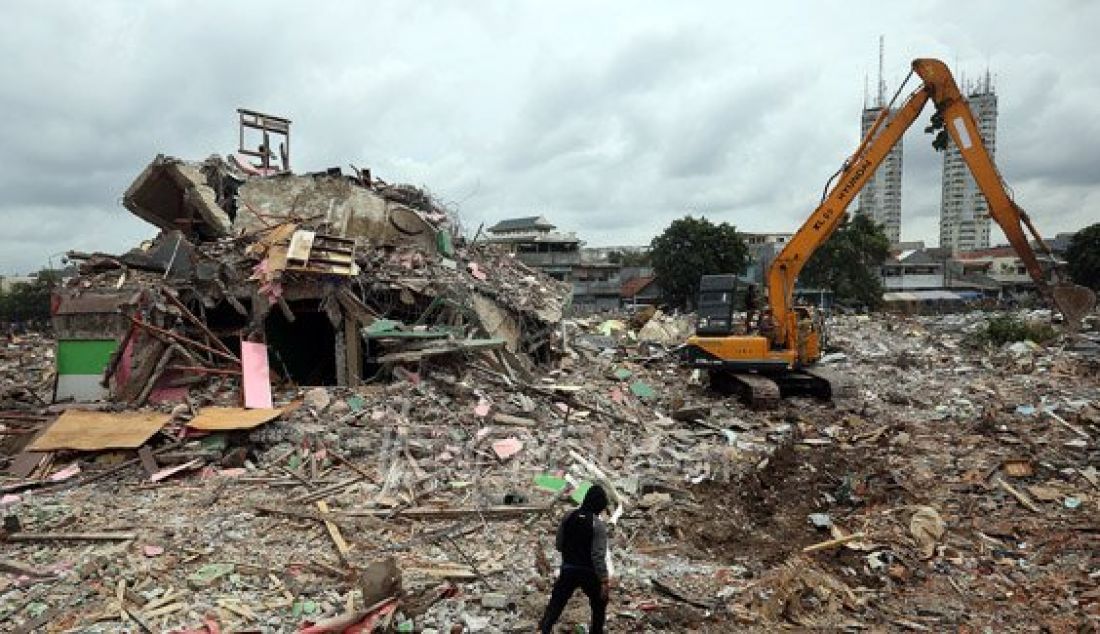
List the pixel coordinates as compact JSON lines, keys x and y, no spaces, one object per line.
{"x":690,"y":248}
{"x":1083,"y":257}
{"x":847,"y":263}
{"x":629,"y":258}
{"x":29,"y":301}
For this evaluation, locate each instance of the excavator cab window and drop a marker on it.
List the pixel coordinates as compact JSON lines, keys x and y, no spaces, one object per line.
{"x":720,"y":298}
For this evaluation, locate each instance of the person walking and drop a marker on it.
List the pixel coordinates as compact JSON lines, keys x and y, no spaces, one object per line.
{"x":582,"y":541}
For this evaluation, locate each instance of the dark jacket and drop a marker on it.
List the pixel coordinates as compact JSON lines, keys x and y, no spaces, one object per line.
{"x":582,"y":536}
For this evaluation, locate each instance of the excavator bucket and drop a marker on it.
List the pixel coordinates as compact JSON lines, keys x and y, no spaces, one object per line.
{"x":1074,"y":302}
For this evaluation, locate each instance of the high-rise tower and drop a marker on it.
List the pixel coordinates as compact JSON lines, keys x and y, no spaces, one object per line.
{"x":881,"y":196}
{"x":964,"y":212}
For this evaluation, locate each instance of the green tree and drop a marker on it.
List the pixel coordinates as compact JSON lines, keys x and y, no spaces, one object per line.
{"x":847,"y":264}
{"x":628,"y":258}
{"x":690,"y":248}
{"x":635,"y":259}
{"x":29,"y":301}
{"x":1083,"y":257}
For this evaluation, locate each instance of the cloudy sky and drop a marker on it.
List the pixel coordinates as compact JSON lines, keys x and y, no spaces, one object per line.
{"x":609,"y":118}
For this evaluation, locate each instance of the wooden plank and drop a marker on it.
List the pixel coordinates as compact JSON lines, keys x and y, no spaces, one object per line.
{"x":468,"y":345}
{"x":95,"y":537}
{"x":357,"y":309}
{"x":313,"y":496}
{"x":93,"y":431}
{"x":148,"y":461}
{"x":23,"y":464}
{"x":448,"y":513}
{"x":833,"y":543}
{"x":224,"y":418}
{"x":342,"y":547}
{"x":301,"y":243}
{"x":18,"y":568}
{"x":197,"y":322}
{"x":1020,"y":497}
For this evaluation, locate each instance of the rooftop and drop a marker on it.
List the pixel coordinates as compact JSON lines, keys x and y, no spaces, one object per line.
{"x":520,"y":224}
{"x":632,"y":287}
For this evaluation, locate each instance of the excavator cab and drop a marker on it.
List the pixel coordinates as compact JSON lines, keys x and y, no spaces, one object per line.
{"x":717,"y":306}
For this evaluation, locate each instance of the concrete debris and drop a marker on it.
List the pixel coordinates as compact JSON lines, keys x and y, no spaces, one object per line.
{"x":447,"y":482}
{"x":431,"y":414}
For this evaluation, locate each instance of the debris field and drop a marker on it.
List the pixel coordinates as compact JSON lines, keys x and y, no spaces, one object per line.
{"x":318,"y":408}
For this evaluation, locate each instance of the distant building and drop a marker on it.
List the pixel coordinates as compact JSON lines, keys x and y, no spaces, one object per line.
{"x":763,"y":248}
{"x":935,"y":279}
{"x":1059,"y":244}
{"x":919,"y":280}
{"x":9,"y":282}
{"x":1005,"y":266}
{"x":642,"y":290}
{"x":913,"y":270}
{"x":880,"y":198}
{"x":537,"y":244}
{"x":612,"y":254}
{"x":964,"y":211}
{"x":596,"y":287}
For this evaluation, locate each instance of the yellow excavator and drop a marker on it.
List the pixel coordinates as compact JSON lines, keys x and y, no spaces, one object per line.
{"x":777,"y":352}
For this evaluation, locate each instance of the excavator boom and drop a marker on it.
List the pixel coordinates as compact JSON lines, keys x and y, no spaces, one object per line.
{"x":953,"y":112}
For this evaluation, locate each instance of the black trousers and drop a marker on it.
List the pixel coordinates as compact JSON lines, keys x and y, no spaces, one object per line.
{"x":568,"y":581}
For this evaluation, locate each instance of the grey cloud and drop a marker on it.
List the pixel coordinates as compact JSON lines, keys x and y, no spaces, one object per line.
{"x":612,"y":119}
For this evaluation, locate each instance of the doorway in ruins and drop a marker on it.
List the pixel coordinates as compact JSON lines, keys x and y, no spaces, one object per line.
{"x":304,"y":349}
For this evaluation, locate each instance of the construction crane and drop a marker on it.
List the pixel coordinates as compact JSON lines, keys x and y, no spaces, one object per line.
{"x":776,"y":354}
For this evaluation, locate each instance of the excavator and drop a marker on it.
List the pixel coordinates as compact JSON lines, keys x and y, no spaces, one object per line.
{"x":776,"y":354}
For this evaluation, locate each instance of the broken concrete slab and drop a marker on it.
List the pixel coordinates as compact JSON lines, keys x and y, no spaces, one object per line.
{"x":173,"y":194}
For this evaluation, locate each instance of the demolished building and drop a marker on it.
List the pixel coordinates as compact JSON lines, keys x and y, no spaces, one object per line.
{"x":342,"y":277}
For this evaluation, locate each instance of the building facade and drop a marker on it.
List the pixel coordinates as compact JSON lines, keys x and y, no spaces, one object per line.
{"x":537,"y":243}
{"x":881,"y":196}
{"x":964,"y":211}
{"x":763,"y":248}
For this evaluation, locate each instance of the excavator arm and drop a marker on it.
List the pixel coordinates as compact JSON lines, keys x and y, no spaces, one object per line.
{"x":857,"y":170}
{"x":1073,"y":301}
{"x":939,"y":87}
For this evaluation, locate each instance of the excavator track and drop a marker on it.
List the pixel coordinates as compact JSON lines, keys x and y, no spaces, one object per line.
{"x":757,"y":392}
{"x":839,"y":386}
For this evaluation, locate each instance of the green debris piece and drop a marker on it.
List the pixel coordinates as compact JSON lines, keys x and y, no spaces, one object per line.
{"x":214,"y":442}
{"x":642,"y":390}
{"x":205,"y":576}
{"x":582,"y":490}
{"x":444,"y":244}
{"x":309,"y":607}
{"x":550,"y":483}
{"x":294,"y":461}
{"x":356,"y":403}
{"x":380,"y":326}
{"x":405,"y":626}
{"x":36,"y":608}
{"x":623,"y":374}
{"x":610,"y":326}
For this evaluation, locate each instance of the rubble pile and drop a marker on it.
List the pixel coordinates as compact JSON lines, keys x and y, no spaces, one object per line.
{"x":339,"y":278}
{"x":959,"y":491}
{"x":26,"y":371}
